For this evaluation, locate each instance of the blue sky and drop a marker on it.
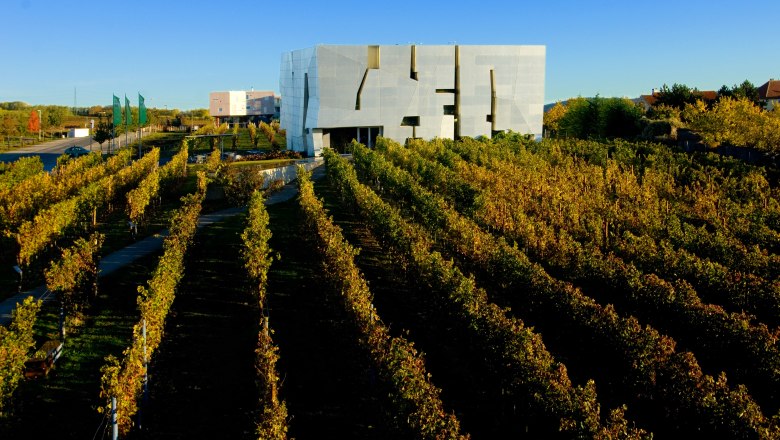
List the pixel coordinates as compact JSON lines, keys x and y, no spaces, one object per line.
{"x":175,"y":52}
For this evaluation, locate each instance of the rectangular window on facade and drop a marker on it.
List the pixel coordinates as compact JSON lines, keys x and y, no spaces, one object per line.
{"x":373,"y":57}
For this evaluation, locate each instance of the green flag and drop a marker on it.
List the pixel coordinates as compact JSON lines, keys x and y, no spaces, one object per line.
{"x":128,"y":113}
{"x":117,"y":112}
{"x":141,"y":110}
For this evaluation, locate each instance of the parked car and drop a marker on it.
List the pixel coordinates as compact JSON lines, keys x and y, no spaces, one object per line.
{"x":197,"y":158}
{"x":76,"y":151}
{"x":230,"y":155}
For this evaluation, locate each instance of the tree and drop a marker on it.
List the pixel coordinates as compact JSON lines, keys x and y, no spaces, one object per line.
{"x":221,"y":129}
{"x":176,"y":118}
{"x":619,"y":118}
{"x":580,"y":119}
{"x":234,"y":139}
{"x":704,"y":122}
{"x":153,"y":116}
{"x":102,"y":132}
{"x":34,"y":122}
{"x":746,"y":90}
{"x":724,"y":92}
{"x":15,"y":105}
{"x":252,"y":133}
{"x":10,"y":125}
{"x":95,"y":110}
{"x":55,"y":115}
{"x":735,"y":121}
{"x":202,"y":113}
{"x":601,"y":118}
{"x":677,"y":96}
{"x":553,"y":118}
{"x":665,"y":112}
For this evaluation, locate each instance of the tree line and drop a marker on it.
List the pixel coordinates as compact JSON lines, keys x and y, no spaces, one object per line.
{"x":21,"y":119}
{"x":731,"y":116}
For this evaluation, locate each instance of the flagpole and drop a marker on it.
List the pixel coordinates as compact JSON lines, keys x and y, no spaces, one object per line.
{"x":140,"y":142}
{"x":141,"y":122}
{"x":116,"y":121}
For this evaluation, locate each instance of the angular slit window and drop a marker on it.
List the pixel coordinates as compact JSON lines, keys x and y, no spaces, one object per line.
{"x":413,"y":66}
{"x":410,"y":121}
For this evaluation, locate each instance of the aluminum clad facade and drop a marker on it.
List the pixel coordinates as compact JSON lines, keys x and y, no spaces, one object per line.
{"x":406,"y":91}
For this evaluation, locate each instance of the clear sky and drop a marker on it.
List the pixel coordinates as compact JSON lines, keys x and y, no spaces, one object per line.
{"x":175,"y":52}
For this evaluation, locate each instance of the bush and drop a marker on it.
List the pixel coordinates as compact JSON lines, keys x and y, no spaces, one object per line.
{"x":601,"y":118}
{"x":658,"y":129}
{"x":240,"y":182}
{"x":276,"y":154}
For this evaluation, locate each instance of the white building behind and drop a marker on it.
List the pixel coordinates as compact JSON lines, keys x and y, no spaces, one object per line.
{"x":78,"y":132}
{"x":242,"y":105}
{"x":332,"y":94}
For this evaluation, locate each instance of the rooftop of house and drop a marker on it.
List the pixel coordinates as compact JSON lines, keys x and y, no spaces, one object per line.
{"x":769,"y":90}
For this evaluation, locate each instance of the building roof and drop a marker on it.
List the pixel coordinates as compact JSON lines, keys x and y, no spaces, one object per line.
{"x":650,"y":99}
{"x":708,"y":95}
{"x":770,"y":90}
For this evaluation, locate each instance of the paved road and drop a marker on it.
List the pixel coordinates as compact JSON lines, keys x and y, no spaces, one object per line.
{"x":127,"y":255}
{"x":50,"y":151}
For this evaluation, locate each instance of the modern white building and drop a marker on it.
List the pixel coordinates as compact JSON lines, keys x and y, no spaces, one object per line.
{"x":332,"y":94}
{"x":78,"y":132}
{"x":242,"y":106}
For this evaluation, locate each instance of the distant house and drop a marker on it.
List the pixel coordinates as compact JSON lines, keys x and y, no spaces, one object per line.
{"x":769,"y":94}
{"x":243,"y":106}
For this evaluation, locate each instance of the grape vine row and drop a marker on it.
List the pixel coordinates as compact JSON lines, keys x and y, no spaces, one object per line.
{"x":520,"y":354}
{"x":397,"y":361}
{"x":124,"y":378}
{"x":673,"y":378}
{"x":272,"y":423}
{"x":729,"y":340}
{"x":15,"y":343}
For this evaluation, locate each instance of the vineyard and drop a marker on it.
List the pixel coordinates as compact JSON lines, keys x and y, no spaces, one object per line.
{"x":443,"y":289}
